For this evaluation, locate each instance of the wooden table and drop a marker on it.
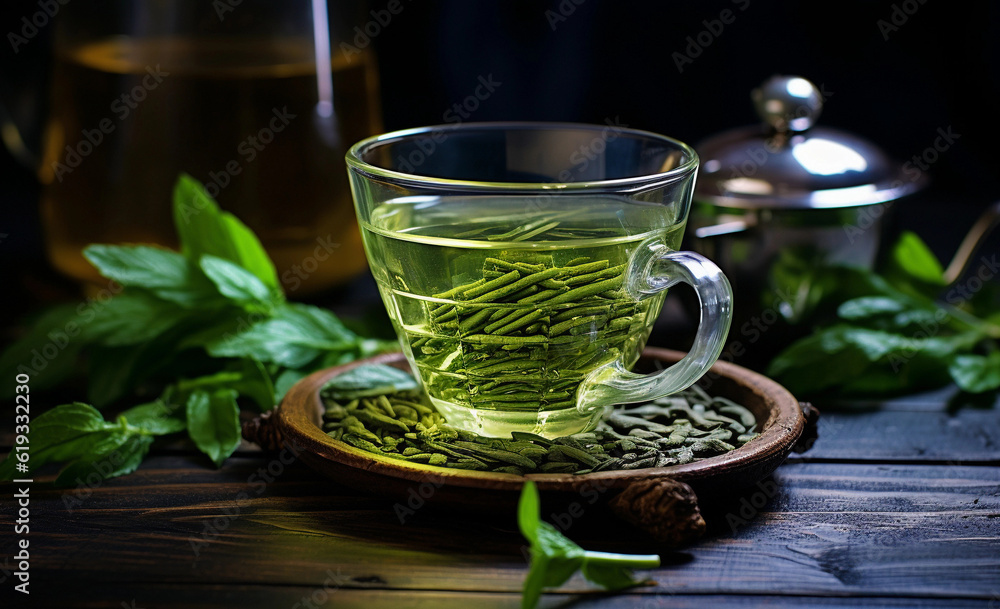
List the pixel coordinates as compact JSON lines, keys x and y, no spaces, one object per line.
{"x":898,"y":505}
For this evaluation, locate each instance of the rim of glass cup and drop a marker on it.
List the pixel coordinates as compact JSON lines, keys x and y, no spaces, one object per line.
{"x":356,"y":161}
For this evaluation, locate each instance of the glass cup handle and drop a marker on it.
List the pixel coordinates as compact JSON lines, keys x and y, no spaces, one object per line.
{"x":654,"y":268}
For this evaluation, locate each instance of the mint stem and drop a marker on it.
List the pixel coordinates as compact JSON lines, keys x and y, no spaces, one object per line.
{"x":632,"y":561}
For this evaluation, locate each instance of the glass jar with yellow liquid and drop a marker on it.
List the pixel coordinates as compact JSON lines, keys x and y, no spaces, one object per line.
{"x":252,"y":98}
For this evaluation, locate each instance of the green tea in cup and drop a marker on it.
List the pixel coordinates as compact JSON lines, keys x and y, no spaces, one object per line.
{"x":522,"y":305}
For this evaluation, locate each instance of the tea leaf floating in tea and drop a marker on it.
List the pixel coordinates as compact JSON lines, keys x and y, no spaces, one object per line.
{"x":540,"y":328}
{"x":684,"y":427}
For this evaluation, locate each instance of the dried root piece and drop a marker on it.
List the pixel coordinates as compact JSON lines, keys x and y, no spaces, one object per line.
{"x":664,"y":508}
{"x":263,"y":431}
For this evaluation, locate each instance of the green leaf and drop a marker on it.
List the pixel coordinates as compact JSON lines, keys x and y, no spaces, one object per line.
{"x":610,"y":575}
{"x":554,"y":558}
{"x":237,"y":284}
{"x":285,"y":380}
{"x":563,"y":557}
{"x":213,"y":422}
{"x":869,"y":306}
{"x":61,"y":433}
{"x":205,"y":229}
{"x":247,"y":377}
{"x":976,"y":373}
{"x":111,"y":373}
{"x":256,"y":384}
{"x":913,"y":257}
{"x":158,"y":418}
{"x":804,"y":288}
{"x":852,"y":359}
{"x":48,"y":352}
{"x":165,"y":273}
{"x":78,"y":434}
{"x":528,"y":510}
{"x":296,"y":335}
{"x":134,"y":316}
{"x":117,"y":455}
{"x":368,"y":380}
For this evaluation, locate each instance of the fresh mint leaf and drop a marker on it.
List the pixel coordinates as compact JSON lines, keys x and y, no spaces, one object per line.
{"x":116,"y":455}
{"x":806,"y":366}
{"x":802,"y":286}
{"x":286,"y":379}
{"x":134,"y":316}
{"x":48,"y":352}
{"x":62,"y":433}
{"x":554,"y":558}
{"x":238,"y":284}
{"x":293,"y":337}
{"x":256,"y":383}
{"x":368,"y":380}
{"x":78,"y":434}
{"x":869,"y":306}
{"x":247,"y":377}
{"x":165,"y":273}
{"x":213,"y":423}
{"x":976,"y":373}
{"x":111,"y":373}
{"x":205,"y":229}
{"x":853,"y":359}
{"x":912,"y":256}
{"x":610,"y":575}
{"x":158,"y":417}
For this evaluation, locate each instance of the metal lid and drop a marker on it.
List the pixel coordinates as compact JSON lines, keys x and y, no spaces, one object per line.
{"x":787,"y":163}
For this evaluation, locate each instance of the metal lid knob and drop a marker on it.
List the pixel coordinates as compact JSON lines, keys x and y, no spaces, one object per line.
{"x":788,"y":103}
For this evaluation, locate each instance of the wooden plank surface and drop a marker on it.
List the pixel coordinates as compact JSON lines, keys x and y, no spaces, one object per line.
{"x":919,"y":531}
{"x":170,"y":596}
{"x":895,"y":506}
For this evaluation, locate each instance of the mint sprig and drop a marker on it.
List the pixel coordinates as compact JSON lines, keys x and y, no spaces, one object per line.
{"x":209,"y":326}
{"x":554,"y":558}
{"x":900,"y":330}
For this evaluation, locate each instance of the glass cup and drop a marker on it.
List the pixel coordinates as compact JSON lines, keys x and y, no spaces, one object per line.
{"x":523,"y":266}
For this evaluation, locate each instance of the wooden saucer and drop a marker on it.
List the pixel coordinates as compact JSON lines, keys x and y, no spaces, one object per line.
{"x":780,"y":419}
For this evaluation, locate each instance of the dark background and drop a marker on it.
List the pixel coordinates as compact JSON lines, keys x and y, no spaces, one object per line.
{"x":601,"y":60}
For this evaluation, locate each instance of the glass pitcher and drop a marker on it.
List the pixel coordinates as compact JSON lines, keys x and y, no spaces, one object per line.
{"x":250,"y":97}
